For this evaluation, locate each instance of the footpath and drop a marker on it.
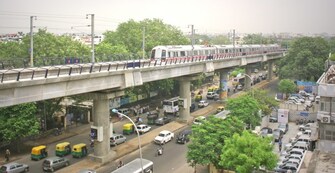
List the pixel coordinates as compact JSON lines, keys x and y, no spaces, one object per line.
{"x":127,"y":147}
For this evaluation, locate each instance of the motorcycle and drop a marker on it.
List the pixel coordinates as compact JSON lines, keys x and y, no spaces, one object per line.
{"x":159,"y":151}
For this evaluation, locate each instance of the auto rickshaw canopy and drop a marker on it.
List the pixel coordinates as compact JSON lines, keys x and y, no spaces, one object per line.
{"x":61,"y":146}
{"x":220,"y":108}
{"x":78,"y":147}
{"x":37,"y":150}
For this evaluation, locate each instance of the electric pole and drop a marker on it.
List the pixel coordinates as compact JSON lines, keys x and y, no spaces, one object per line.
{"x":234,"y":41}
{"x":143,"y":43}
{"x":92,"y":35}
{"x":31,"y":41}
{"x":192,"y":37}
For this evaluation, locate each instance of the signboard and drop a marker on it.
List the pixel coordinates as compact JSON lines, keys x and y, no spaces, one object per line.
{"x":283,"y":115}
{"x":304,"y":114}
{"x":182,"y":103}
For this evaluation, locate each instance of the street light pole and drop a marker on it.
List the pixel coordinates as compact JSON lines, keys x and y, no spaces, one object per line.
{"x":31,"y":41}
{"x":138,"y":134}
{"x":92,"y":35}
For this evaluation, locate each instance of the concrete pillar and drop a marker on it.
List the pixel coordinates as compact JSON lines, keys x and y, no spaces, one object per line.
{"x":224,"y":78}
{"x":270,"y":70}
{"x":102,"y":151}
{"x":247,"y":83}
{"x":185,"y":93}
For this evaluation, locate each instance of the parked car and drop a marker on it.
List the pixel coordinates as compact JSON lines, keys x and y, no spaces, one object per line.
{"x":203,"y":103}
{"x":53,"y":163}
{"x":162,"y":120}
{"x":266,"y":131}
{"x":164,"y":137}
{"x":284,"y":168}
{"x":273,"y":119}
{"x":211,"y":95}
{"x":305,"y":126}
{"x":277,"y":134}
{"x":301,"y":100}
{"x":117,"y":139}
{"x":142,"y":128}
{"x":184,"y":136}
{"x":291,"y":160}
{"x":199,"y":120}
{"x":14,"y":168}
{"x":283,"y":127}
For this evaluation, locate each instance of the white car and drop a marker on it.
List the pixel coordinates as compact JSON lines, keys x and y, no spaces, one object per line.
{"x":199,"y":120}
{"x":203,"y":103}
{"x":164,"y":137}
{"x":239,"y":87}
{"x":143,"y":128}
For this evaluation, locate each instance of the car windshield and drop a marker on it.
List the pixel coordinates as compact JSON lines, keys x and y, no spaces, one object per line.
{"x":161,"y":135}
{"x":282,"y":126}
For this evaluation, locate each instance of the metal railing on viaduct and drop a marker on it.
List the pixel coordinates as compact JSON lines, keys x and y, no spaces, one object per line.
{"x":34,"y":84}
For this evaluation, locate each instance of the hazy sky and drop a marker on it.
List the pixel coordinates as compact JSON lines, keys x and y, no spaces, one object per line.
{"x":207,"y":16}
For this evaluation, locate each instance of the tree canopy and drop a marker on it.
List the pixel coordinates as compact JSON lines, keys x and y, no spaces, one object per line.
{"x":209,"y":138}
{"x":287,"y":86}
{"x":245,"y":108}
{"x":18,"y":121}
{"x":305,"y":59}
{"x":265,"y":102}
{"x":246,"y":152}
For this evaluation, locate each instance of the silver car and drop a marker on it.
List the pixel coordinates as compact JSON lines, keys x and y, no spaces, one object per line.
{"x":117,"y":139}
{"x":53,"y":163}
{"x":14,"y":168}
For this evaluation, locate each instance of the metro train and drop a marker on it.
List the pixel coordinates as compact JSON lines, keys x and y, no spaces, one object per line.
{"x":217,"y":51}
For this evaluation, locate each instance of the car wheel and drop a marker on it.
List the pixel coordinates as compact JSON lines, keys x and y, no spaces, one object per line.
{"x":26,"y":169}
{"x":67,"y":164}
{"x":52,"y":170}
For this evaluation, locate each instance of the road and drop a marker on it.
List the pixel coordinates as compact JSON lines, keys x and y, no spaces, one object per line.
{"x":174,"y":153}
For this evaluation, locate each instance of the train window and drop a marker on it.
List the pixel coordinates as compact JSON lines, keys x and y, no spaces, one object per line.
{"x":226,"y":50}
{"x":175,"y":54}
{"x":163,"y":53}
{"x":240,"y":50}
{"x":182,"y":53}
{"x":169,"y":55}
{"x":195,"y":52}
{"x":206,"y":52}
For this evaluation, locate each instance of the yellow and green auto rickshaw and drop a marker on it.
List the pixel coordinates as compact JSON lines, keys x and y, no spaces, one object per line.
{"x":39,"y":152}
{"x":220,"y":109}
{"x":198,"y":97}
{"x":212,"y":89}
{"x":63,"y":149}
{"x":79,"y":150}
{"x":128,"y":129}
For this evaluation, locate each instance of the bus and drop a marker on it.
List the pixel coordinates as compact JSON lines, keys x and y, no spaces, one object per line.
{"x":171,"y":106}
{"x":238,"y":81}
{"x":135,"y":167}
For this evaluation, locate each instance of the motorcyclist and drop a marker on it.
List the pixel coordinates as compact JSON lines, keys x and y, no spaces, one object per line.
{"x":160,"y":150}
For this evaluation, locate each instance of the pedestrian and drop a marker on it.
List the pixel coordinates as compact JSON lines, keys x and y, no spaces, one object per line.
{"x":120,"y":164}
{"x":279,"y":145}
{"x":7,"y":154}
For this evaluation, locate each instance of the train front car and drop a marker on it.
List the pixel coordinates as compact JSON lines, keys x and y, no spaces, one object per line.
{"x":158,"y":53}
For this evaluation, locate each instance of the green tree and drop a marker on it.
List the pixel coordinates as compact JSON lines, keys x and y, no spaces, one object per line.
{"x":258,"y":39}
{"x":129,"y":35}
{"x":305,"y":59}
{"x":247,"y":152}
{"x":265,"y":102}
{"x":209,"y":138}
{"x":219,"y":40}
{"x":287,"y":86}
{"x":46,"y":110}
{"x":17,"y":122}
{"x":245,"y":108}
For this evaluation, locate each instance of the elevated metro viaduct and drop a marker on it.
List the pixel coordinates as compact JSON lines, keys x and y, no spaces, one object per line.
{"x":104,"y":81}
